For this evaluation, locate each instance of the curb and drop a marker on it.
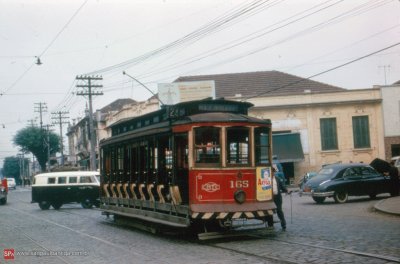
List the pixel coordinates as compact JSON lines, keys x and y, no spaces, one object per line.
{"x":379,"y":206}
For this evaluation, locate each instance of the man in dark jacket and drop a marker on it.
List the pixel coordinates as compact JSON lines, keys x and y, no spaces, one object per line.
{"x":280,"y":188}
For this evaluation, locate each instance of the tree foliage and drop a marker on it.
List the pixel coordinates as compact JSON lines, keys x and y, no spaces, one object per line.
{"x":34,"y":139}
{"x":11,"y":167}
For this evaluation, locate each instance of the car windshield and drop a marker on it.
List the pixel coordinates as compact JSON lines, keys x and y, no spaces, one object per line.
{"x":324,"y":174}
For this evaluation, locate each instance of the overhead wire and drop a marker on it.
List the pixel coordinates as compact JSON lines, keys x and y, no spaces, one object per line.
{"x":323,"y":72}
{"x":198,"y":33}
{"x":246,"y":38}
{"x":304,"y":32}
{"x":44,"y":51}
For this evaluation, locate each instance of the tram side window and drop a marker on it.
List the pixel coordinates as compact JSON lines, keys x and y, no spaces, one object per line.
{"x":207,"y":145}
{"x":261,"y":140}
{"x":238,"y":145}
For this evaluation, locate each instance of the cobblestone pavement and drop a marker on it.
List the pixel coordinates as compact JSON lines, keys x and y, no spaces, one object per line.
{"x":327,"y":233}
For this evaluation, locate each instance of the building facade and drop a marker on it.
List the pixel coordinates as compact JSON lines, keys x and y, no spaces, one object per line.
{"x":391,"y":116}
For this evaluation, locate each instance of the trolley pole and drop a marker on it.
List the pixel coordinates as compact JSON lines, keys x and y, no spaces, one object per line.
{"x":88,"y":89}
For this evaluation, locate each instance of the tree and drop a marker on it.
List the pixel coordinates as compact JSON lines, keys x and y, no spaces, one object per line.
{"x":34,"y":139}
{"x":11,"y":167}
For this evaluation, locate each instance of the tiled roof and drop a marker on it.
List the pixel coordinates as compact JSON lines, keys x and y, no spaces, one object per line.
{"x":117,"y":105}
{"x":265,"y":83}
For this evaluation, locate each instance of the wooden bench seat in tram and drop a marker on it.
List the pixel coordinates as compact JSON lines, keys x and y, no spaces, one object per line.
{"x":125,"y":188}
{"x":160,"y":187}
{"x":150,"y":192}
{"x":175,"y":195}
{"x":119,"y":186}
{"x":114,"y":195}
{"x":105,"y":189}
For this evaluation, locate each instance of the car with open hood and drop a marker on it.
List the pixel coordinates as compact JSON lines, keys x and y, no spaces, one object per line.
{"x":339,"y":181}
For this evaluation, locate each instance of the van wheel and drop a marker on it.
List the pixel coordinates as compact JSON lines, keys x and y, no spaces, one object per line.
{"x":44,"y":205}
{"x":56,"y":205}
{"x":340,"y":197}
{"x":87,"y":204}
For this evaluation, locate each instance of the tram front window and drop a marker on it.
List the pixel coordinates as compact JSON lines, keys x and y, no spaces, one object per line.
{"x":207,"y":145}
{"x":238,"y":145}
{"x":261,"y":140}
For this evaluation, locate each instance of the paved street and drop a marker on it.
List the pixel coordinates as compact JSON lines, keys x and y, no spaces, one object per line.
{"x":327,"y":233}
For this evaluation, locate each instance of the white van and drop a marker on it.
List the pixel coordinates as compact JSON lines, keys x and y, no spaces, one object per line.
{"x":58,"y":188}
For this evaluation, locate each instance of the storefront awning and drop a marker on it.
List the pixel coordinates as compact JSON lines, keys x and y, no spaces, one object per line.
{"x":287,"y":147}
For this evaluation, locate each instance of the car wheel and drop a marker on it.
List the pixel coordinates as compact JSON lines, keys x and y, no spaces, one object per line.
{"x":340,"y":197}
{"x":56,"y":205}
{"x":44,"y":205}
{"x":319,"y":200}
{"x":87,"y":204}
{"x":3,"y":201}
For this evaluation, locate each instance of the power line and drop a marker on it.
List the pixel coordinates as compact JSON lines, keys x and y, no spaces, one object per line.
{"x":59,"y":119}
{"x":326,"y":71}
{"x":88,"y":89}
{"x":43,"y":52}
{"x":194,"y":35}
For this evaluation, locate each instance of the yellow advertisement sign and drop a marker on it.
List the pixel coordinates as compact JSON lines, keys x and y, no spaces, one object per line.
{"x":264,"y":183}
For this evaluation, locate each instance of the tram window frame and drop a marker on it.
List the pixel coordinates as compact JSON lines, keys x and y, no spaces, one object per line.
{"x":258,"y":146}
{"x":234,"y":135}
{"x":208,"y":133}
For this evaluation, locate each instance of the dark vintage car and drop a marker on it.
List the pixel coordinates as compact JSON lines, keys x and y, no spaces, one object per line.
{"x":304,"y":179}
{"x":343,"y":180}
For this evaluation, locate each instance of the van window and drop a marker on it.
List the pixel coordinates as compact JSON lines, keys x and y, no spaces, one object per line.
{"x":85,"y":179}
{"x":51,"y":180}
{"x":73,"y":179}
{"x":62,"y":180}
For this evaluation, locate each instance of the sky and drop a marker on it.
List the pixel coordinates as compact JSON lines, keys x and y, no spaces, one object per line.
{"x":157,"y":41}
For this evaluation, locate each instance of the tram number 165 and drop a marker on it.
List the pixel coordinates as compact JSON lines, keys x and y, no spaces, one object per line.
{"x":239,"y":184}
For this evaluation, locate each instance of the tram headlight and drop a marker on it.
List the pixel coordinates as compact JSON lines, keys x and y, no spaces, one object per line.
{"x":240,"y":196}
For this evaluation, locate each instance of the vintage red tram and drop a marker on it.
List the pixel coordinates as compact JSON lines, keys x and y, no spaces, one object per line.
{"x":203,"y":164}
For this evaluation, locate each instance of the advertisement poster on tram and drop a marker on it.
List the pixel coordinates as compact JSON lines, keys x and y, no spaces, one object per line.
{"x":264,"y":184}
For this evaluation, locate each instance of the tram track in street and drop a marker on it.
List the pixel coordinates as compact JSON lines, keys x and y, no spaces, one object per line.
{"x":281,"y":259}
{"x":98,"y":239}
{"x":269,"y":240}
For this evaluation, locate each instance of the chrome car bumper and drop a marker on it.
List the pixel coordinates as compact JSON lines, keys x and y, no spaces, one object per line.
{"x":317,"y":194}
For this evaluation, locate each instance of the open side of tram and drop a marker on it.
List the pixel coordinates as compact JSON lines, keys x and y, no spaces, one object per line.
{"x":203,"y":164}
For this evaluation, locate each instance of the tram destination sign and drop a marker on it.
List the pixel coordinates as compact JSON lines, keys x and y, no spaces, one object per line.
{"x":178,"y":92}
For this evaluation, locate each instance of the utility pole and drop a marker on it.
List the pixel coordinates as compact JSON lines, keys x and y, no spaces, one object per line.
{"x":59,"y":118}
{"x":385,"y":67}
{"x":40,"y":108}
{"x":90,"y":89}
{"x":48,"y":146}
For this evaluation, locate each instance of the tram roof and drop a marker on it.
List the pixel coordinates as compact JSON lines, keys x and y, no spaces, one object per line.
{"x":207,"y":110}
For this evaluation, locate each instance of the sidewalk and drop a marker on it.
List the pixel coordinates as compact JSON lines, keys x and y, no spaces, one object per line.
{"x":389,"y":205}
